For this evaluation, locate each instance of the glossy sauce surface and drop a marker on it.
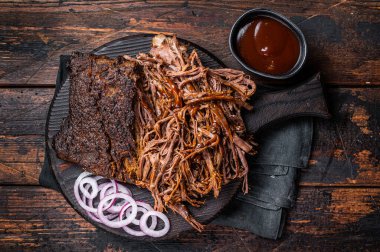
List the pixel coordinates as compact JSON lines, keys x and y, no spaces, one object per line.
{"x":268,"y":46}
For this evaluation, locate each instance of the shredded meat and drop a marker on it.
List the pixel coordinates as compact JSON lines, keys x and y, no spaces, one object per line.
{"x":190,"y":134}
{"x":162,"y":121}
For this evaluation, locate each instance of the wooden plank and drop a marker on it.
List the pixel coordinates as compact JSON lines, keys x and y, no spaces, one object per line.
{"x":21,"y":158}
{"x":342,"y":36}
{"x":24,"y":111}
{"x":345,"y":149}
{"x":22,"y":122}
{"x":37,"y":218}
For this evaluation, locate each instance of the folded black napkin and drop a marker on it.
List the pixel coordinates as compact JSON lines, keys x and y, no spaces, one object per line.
{"x":284,"y":149}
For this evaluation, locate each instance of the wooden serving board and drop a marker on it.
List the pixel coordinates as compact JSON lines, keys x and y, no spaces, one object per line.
{"x":303,"y":100}
{"x":66,"y":172}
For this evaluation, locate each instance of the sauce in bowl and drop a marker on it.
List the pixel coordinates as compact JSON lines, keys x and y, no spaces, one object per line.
{"x":268,"y":45}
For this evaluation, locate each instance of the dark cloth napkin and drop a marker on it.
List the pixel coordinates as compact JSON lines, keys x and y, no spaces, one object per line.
{"x":284,"y":149}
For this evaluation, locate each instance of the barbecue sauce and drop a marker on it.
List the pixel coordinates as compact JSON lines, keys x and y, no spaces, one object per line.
{"x":268,"y":46}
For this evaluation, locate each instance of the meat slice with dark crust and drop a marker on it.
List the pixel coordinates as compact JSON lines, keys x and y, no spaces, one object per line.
{"x":98,"y":134}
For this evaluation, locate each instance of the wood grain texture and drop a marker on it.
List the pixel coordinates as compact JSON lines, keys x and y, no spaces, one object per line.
{"x":342,"y":36}
{"x":38,"y":218}
{"x":345,"y":149}
{"x":24,"y":111}
{"x":338,"y":206}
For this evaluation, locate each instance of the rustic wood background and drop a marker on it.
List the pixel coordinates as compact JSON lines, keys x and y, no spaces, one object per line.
{"x":338,"y":206}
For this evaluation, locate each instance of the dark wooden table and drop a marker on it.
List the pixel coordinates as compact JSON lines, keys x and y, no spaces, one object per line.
{"x":338,"y":206}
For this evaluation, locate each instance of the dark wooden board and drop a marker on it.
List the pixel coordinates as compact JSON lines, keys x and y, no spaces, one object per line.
{"x":67,"y":173}
{"x":324,"y":219}
{"x":342,"y":36}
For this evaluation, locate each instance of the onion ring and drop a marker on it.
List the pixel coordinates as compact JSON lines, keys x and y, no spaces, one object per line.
{"x":116,"y":207}
{"x":124,"y":189}
{"x":154,"y":233}
{"x":104,"y":190}
{"x":120,"y":223}
{"x":94,"y":186}
{"x":77,"y":196}
{"x":143,"y":205}
{"x":109,"y":208}
{"x":136,"y":232}
{"x":94,"y":216}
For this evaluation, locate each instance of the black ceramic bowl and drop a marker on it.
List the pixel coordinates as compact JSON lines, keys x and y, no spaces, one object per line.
{"x":248,"y":18}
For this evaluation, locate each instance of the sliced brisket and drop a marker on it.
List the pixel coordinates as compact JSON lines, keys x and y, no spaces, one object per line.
{"x":98,"y":134}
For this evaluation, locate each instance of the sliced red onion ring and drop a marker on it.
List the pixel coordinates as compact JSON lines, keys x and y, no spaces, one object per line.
{"x":145,"y":206}
{"x":112,"y":184}
{"x":94,"y":216}
{"x":120,"y":223}
{"x":102,"y":185}
{"x":112,"y":206}
{"x":77,"y":196}
{"x":124,"y":189}
{"x":94,"y":185}
{"x":133,"y":232}
{"x":130,"y":230}
{"x":103,"y":194}
{"x":116,"y":207}
{"x":116,"y":201}
{"x":154,"y":233}
{"x":142,"y":209}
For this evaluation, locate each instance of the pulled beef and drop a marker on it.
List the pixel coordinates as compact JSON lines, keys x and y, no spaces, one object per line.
{"x":98,"y":134}
{"x":189,"y":137}
{"x":192,"y":138}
